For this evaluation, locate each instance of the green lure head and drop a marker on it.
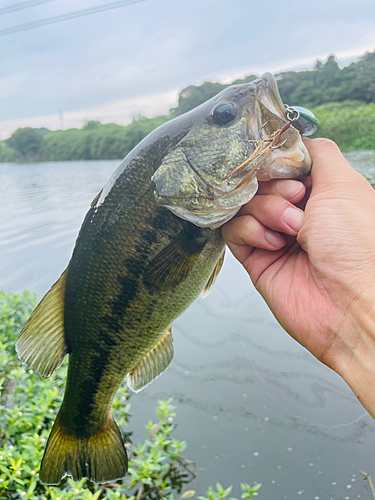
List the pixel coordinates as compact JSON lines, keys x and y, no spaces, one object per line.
{"x":305,"y":121}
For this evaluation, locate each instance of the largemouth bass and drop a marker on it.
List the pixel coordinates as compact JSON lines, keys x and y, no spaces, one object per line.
{"x":150,"y":243}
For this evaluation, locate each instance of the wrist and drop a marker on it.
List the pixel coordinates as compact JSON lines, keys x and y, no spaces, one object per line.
{"x":356,"y":362}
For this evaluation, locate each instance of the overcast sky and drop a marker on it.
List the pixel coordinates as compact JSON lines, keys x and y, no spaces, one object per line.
{"x":135,"y":59}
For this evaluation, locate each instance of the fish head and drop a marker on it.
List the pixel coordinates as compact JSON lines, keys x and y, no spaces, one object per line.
{"x":200,"y":180}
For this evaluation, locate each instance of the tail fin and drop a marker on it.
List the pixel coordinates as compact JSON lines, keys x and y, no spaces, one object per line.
{"x":101,"y":457}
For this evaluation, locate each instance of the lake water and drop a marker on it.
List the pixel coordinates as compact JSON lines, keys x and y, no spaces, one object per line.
{"x":253,"y":405}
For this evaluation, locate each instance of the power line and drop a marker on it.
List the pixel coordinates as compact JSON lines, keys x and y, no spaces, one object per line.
{"x":22,"y":5}
{"x":67,"y":17}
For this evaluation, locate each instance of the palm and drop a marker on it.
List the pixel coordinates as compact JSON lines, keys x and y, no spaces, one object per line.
{"x":320,"y":284}
{"x":288,"y":283}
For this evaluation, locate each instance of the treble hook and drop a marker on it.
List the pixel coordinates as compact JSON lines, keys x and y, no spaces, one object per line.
{"x":279,"y":145}
{"x":261,"y":130}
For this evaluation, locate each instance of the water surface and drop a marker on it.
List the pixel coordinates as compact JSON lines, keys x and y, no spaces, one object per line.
{"x":253,"y":405}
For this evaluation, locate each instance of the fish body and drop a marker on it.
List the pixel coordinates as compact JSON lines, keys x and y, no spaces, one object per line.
{"x":149,"y":245}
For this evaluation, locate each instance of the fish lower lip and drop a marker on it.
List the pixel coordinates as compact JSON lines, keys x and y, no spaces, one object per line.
{"x":286,"y":161}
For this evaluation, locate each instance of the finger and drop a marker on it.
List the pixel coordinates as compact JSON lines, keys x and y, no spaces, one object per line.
{"x":244,"y":233}
{"x":288,"y":189}
{"x":307,"y":182}
{"x":302,"y":203}
{"x":262,"y":263}
{"x":329,"y":164}
{"x":275,"y":213}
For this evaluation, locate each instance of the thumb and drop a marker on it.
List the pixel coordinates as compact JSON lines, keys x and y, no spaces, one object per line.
{"x":330,"y":169}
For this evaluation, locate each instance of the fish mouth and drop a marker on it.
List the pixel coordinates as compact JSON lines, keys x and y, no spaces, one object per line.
{"x":289,"y":158}
{"x":268,"y":93}
{"x":292,"y":164}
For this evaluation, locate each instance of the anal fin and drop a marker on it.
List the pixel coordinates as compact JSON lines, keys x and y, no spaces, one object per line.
{"x":210,"y":283}
{"x":41,"y":345}
{"x":153,"y":364}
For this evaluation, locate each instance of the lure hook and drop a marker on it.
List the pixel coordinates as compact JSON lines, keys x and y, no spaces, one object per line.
{"x":291,"y":114}
{"x":279,"y":145}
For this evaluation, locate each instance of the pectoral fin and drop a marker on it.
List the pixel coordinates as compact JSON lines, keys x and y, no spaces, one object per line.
{"x":153,"y":364}
{"x":41,"y":345}
{"x":170,"y":267}
{"x":210,"y":283}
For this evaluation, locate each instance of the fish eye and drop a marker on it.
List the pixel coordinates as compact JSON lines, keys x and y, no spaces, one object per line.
{"x":224,"y":114}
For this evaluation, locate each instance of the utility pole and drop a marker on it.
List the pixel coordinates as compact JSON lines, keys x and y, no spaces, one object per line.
{"x":61,"y":118}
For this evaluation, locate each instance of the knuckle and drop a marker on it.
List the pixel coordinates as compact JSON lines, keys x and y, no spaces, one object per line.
{"x":274,"y":205}
{"x":325,"y":143}
{"x":228,"y":231}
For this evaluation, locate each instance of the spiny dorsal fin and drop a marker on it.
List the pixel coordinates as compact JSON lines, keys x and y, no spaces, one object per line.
{"x":153,"y":364}
{"x":100,"y":457}
{"x":95,"y":200}
{"x":41,"y":345}
{"x":210,"y":283}
{"x":170,"y":267}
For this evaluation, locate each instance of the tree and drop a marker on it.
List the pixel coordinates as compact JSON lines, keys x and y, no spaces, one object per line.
{"x":27,"y":142}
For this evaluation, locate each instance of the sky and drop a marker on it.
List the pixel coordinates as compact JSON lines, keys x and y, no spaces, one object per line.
{"x":135,"y":59}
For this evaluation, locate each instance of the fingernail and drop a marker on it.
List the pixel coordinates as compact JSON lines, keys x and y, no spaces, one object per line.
{"x":275,"y":239}
{"x":293,"y":218}
{"x":289,"y":188}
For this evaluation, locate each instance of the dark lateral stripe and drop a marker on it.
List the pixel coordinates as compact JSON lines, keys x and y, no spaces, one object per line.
{"x":111,"y":324}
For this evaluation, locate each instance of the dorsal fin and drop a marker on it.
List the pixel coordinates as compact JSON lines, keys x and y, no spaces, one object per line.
{"x":95,"y":200}
{"x":41,"y":345}
{"x":210,"y":283}
{"x":153,"y":364}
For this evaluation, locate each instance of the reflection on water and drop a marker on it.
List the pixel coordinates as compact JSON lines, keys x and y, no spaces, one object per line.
{"x":364,"y":163}
{"x":42,"y":208}
{"x":253,"y":405}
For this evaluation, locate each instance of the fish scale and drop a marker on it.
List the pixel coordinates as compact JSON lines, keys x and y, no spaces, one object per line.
{"x":149,"y":245}
{"x":128,"y":316}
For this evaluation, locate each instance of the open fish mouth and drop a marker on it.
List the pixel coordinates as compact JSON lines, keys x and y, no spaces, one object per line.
{"x":277,"y":147}
{"x":295,"y":164}
{"x":268,"y":93}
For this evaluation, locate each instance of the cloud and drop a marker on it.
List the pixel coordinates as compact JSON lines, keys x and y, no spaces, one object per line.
{"x":157,"y":46}
{"x":121,"y":111}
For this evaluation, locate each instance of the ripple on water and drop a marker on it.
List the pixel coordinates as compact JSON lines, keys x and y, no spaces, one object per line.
{"x":42,"y":209}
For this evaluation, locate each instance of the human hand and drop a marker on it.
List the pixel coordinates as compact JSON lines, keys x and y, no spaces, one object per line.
{"x":319,"y":279}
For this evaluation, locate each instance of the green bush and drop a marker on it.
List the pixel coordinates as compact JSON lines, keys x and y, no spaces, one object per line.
{"x":350,"y":124}
{"x":95,"y":141}
{"x":7,"y":154}
{"x":27,"y":142}
{"x":28,"y":407}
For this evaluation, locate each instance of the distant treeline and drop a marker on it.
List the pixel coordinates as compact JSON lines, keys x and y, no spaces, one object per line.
{"x":94,"y":141}
{"x":342,"y":99}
